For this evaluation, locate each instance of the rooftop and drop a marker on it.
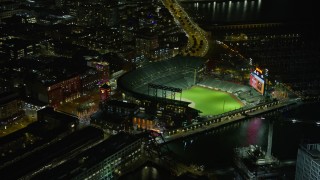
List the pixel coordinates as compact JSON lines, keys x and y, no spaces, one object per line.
{"x":89,"y":158}
{"x":312,"y":149}
{"x":8,"y":96}
{"x":40,"y":158}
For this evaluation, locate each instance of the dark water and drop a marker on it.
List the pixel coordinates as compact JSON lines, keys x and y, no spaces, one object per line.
{"x":148,"y":171}
{"x":223,"y":11}
{"x":215,"y":149}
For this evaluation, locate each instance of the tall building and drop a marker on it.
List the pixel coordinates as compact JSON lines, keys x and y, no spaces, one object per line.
{"x":59,"y":3}
{"x":146,"y":43}
{"x":105,"y":92}
{"x":308,"y":162}
{"x":89,"y":80}
{"x":105,"y":160}
{"x":102,"y":68}
{"x":10,"y":107}
{"x":9,"y":8}
{"x":56,"y":91}
{"x":19,"y":48}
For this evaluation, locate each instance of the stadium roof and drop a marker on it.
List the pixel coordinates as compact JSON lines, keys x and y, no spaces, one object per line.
{"x":167,"y":73}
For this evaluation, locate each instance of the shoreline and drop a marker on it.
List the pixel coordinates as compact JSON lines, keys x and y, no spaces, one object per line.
{"x":200,"y":128}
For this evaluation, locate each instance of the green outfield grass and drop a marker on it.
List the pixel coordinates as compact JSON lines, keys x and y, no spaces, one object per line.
{"x":211,"y":102}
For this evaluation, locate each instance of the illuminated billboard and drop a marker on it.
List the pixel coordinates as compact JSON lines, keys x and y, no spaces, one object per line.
{"x":257,"y":80}
{"x":257,"y":83}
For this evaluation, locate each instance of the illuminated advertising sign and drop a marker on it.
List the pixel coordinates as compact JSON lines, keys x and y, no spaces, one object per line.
{"x":257,"y":83}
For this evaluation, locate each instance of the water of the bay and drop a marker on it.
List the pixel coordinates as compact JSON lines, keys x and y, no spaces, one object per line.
{"x":239,"y":11}
{"x":214,"y":149}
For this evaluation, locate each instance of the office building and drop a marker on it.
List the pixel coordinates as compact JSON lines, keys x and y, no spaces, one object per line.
{"x":308,"y":162}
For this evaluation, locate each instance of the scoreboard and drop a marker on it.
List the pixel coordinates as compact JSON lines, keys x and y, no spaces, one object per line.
{"x":258,"y":80}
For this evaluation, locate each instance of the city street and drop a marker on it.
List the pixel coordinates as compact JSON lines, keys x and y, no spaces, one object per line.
{"x":198,"y":44}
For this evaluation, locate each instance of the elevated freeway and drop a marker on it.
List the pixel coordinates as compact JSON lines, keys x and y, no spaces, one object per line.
{"x":198,"y":44}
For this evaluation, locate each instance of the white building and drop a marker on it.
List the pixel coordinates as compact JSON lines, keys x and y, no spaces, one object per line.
{"x":308,"y":162}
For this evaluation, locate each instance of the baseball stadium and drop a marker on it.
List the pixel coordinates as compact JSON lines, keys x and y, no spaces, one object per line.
{"x":181,"y":81}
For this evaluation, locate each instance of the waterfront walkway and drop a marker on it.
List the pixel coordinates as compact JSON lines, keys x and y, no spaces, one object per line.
{"x":223,"y":120}
{"x":201,"y":129}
